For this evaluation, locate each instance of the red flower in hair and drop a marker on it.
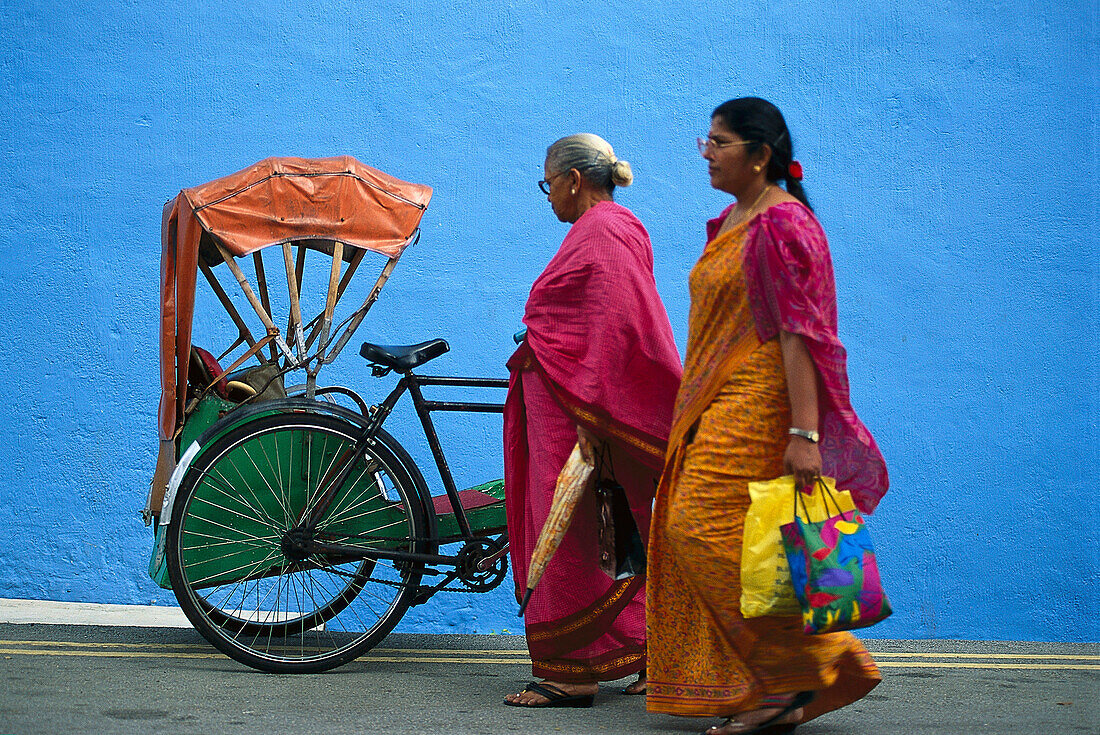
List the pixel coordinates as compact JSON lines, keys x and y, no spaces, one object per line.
{"x":795,"y":170}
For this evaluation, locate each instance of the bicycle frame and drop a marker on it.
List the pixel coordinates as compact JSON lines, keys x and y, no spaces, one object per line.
{"x":413,"y":383}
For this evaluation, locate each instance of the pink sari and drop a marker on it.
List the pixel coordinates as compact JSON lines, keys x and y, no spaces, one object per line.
{"x":600,"y":353}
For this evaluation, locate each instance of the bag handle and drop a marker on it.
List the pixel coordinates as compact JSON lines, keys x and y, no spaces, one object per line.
{"x":827,"y":495}
{"x":603,"y":457}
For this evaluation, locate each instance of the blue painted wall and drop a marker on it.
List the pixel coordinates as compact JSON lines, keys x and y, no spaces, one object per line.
{"x":950,"y":151}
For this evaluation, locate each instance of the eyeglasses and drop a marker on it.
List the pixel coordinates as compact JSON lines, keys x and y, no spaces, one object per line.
{"x":712,"y":143}
{"x":545,"y":183}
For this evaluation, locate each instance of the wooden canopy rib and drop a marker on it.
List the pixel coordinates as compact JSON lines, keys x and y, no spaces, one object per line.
{"x":353,"y":264}
{"x":330,"y":300}
{"x":265,"y":299}
{"x":236,"y":343}
{"x":314,"y":325}
{"x":294,"y":329}
{"x":361,"y":313}
{"x":300,"y":266}
{"x":223,"y":297}
{"x":242,"y":280}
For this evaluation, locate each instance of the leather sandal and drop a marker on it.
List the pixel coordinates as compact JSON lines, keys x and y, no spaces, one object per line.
{"x":771,"y":726}
{"x":555,"y":697}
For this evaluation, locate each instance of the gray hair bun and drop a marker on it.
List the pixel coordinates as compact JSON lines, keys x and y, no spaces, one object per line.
{"x":593,"y":157}
{"x":621,"y":175}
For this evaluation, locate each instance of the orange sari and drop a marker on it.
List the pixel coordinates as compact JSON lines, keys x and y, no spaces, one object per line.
{"x":731,"y":423}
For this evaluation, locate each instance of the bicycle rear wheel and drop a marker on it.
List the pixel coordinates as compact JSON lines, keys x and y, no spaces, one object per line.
{"x":238,"y":576}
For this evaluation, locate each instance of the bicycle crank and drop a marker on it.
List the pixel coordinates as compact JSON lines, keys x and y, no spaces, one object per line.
{"x":482,"y":564}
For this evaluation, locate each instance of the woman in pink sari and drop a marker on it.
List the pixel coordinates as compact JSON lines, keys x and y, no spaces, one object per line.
{"x":598,"y":366}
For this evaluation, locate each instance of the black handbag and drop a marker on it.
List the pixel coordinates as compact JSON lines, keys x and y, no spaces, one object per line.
{"x":621,"y":549}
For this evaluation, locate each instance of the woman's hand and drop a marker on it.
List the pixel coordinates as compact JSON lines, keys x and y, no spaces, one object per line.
{"x":587,"y":442}
{"x":803,"y":460}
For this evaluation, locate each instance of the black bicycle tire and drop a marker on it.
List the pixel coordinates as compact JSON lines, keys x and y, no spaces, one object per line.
{"x":224,"y":631}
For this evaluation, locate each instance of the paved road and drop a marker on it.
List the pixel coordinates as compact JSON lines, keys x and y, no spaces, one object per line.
{"x":92,"y":679}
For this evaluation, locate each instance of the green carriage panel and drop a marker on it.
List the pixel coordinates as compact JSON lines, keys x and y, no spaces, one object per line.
{"x":206,"y":414}
{"x":484,"y":510}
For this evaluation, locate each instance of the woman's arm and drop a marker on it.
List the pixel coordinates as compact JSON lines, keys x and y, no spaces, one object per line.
{"x":802,"y":458}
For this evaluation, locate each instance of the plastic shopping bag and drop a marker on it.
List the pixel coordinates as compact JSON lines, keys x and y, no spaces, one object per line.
{"x":766,"y":587}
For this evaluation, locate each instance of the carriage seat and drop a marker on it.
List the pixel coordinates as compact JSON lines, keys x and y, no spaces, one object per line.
{"x":403,"y":358}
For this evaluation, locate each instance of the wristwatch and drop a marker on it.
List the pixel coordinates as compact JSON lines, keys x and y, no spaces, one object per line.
{"x":810,"y":435}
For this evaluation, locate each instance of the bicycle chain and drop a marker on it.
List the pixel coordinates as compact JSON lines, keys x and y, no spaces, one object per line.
{"x":495,"y":574}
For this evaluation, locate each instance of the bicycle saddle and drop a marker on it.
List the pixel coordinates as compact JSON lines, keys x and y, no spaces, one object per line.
{"x":403,"y":358}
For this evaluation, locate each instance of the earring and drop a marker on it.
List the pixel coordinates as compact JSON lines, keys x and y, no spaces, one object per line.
{"x":756,"y":168}
{"x":572,"y":191}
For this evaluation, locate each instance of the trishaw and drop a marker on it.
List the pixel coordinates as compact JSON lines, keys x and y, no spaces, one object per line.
{"x":293,"y":529}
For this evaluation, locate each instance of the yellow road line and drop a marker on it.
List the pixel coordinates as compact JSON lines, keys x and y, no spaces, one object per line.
{"x":522,"y":661}
{"x":523,"y":653}
{"x":155,"y":654}
{"x":1055,"y":656}
{"x":396,"y":659}
{"x":977,"y":665}
{"x":105,"y":654}
{"x":488,"y":651}
{"x":1024,"y":661}
{"x":84,"y":644}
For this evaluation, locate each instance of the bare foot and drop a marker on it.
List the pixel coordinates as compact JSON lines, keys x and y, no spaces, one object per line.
{"x":636,"y":687}
{"x":534,"y":699}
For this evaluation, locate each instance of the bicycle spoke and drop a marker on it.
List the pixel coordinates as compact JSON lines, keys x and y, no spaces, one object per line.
{"x":216,"y":541}
{"x":310,"y":502}
{"x":264,"y":563}
{"x":284,"y":504}
{"x":231,"y":511}
{"x":241,"y":534}
{"x":230,"y":492}
{"x":376,"y":529}
{"x":227,"y":594}
{"x":341,"y":516}
{"x":285,"y":501}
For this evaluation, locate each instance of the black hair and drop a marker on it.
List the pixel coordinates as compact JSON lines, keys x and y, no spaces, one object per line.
{"x":759,"y":122}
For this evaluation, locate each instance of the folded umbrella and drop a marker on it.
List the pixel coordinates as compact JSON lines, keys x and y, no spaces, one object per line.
{"x":571,"y":484}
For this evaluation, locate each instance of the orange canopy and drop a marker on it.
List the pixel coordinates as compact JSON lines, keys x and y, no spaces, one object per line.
{"x":274,"y":201}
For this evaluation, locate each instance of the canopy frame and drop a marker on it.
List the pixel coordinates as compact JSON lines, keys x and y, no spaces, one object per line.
{"x":337,"y":206}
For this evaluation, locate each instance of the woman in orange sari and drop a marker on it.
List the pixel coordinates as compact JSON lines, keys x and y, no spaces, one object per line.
{"x":764,"y":393}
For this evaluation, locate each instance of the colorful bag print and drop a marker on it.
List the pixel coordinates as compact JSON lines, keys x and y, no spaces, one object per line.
{"x":834,"y":571}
